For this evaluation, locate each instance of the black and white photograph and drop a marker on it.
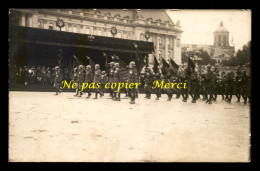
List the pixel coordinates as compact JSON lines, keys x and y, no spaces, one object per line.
{"x":129,"y":85}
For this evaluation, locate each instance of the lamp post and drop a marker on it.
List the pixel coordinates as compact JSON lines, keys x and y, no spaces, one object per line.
{"x":60,"y":23}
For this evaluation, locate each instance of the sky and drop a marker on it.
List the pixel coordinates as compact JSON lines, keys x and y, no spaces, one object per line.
{"x":198,"y":25}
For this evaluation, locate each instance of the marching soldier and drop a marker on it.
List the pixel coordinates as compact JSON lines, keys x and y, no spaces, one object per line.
{"x":185,"y":78}
{"x":103,"y":81}
{"x":57,"y":79}
{"x":229,"y":87}
{"x":222,"y":83}
{"x":244,"y":87}
{"x":75,"y":78}
{"x":110,"y":79}
{"x":116,"y":79}
{"x":208,"y":85}
{"x":169,"y":90}
{"x":194,"y":86}
{"x":137,"y":90}
{"x":80,"y":80}
{"x":215,"y":83}
{"x":132,"y":78}
{"x":88,"y":79}
{"x":157,"y":89}
{"x":97,"y":80}
{"x":237,"y":88}
{"x":148,"y":82}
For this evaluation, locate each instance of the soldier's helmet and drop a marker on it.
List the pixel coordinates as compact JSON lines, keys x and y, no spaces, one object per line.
{"x":103,"y":72}
{"x":97,"y":66}
{"x":57,"y":67}
{"x":112,"y":63}
{"x":88,"y":67}
{"x":81,"y":66}
{"x":131,"y":64}
{"x":116,"y":64}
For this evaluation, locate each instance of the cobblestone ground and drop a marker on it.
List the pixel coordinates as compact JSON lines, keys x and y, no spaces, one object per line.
{"x":44,"y":127}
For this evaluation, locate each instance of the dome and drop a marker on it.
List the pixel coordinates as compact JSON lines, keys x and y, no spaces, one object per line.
{"x":221,"y":28}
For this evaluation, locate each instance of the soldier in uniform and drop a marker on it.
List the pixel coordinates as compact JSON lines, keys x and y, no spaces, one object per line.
{"x":75,"y":78}
{"x":244,"y":87}
{"x":110,"y":77}
{"x":97,"y":80}
{"x":57,"y":79}
{"x":208,"y":85}
{"x":157,"y":91}
{"x":148,"y":82}
{"x":132,"y":78}
{"x":116,"y":79}
{"x":88,"y":79}
{"x":185,"y":78}
{"x":80,"y":80}
{"x":169,"y":91}
{"x":103,"y":81}
{"x":237,"y":88}
{"x":194,"y":86}
{"x":215,"y":83}
{"x":229,"y":87}
{"x":137,"y":90}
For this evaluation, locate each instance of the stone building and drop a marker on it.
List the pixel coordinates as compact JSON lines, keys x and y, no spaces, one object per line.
{"x":220,"y":50}
{"x":130,"y":24}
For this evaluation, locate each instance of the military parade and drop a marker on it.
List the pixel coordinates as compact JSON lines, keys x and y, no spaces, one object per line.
{"x":201,"y":85}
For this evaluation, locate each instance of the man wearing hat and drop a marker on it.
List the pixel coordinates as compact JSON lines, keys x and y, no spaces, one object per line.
{"x":97,"y":80}
{"x":229,"y":87}
{"x":88,"y":79}
{"x":132,"y":78}
{"x":194,"y":86}
{"x":57,"y":79}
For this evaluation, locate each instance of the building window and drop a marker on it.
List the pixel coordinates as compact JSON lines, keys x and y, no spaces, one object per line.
{"x":87,"y":31}
{"x":75,"y":29}
{"x":70,"y":28}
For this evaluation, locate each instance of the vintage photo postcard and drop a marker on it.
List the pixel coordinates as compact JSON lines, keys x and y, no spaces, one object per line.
{"x":129,"y":85}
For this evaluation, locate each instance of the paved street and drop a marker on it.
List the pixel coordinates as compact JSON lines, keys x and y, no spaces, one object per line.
{"x":45,"y":127}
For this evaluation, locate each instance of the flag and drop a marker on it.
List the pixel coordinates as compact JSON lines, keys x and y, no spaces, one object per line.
{"x":91,"y":63}
{"x":155,"y":65}
{"x":165,"y":67}
{"x":173,"y":67}
{"x":191,"y":65}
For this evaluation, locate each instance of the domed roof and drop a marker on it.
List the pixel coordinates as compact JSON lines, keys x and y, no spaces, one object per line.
{"x":221,"y":28}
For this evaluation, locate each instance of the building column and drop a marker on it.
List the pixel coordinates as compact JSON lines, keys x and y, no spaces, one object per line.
{"x":166,"y":48}
{"x":176,"y":52}
{"x":22,"y":21}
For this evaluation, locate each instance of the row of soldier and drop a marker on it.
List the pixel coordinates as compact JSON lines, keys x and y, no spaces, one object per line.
{"x":207,"y":85}
{"x":83,"y":74}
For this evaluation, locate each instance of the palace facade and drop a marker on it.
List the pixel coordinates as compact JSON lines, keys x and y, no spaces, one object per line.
{"x":131,"y":24}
